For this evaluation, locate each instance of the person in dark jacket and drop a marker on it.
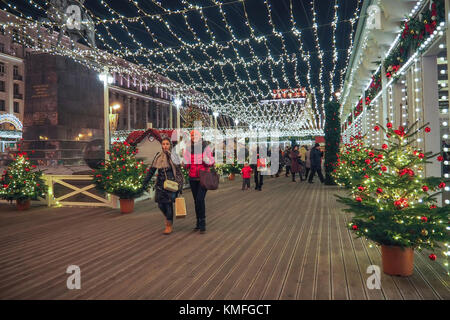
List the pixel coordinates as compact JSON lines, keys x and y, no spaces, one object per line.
{"x":295,"y":166}
{"x":257,"y":167}
{"x":316,"y":163}
{"x":198,"y":157}
{"x":287,"y":160}
{"x":167,"y":170}
{"x":280,"y":162}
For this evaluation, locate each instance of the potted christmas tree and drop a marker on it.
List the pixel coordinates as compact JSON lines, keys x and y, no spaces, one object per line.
{"x":22,"y":182}
{"x":352,"y":166}
{"x":122,"y":175}
{"x":396,"y":206}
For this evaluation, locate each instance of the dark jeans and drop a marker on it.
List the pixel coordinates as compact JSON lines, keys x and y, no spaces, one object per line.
{"x":245,"y":183}
{"x":319,"y":173}
{"x":307,"y":172}
{"x":167,"y":210}
{"x":199,"y":193}
{"x":288,"y":169}
{"x":258,"y":180}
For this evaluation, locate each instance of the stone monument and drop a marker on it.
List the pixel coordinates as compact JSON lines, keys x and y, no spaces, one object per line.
{"x":63,"y":110}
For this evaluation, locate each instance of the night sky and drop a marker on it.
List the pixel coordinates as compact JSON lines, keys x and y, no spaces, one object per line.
{"x":234,"y":11}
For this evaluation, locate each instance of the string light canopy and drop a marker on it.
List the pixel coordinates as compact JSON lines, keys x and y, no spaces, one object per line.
{"x":234,"y":52}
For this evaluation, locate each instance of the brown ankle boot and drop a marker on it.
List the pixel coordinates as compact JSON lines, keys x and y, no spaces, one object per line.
{"x":168,"y":229}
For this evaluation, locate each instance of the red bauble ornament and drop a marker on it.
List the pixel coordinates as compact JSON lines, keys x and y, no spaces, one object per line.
{"x":432,"y":257}
{"x":379,"y":190}
{"x":389,"y":125}
{"x":383,"y":168}
{"x":433,"y":206}
{"x":442,"y":185}
{"x":367,"y":161}
{"x":384,"y":146}
{"x":424,"y":219}
{"x":421,"y":155}
{"x":360,"y":188}
{"x":427,"y":129}
{"x":440,"y":158}
{"x":359,"y":199}
{"x":355,"y":227}
{"x":425,"y":188}
{"x":376,"y":128}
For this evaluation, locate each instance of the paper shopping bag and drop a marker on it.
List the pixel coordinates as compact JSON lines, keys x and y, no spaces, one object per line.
{"x":180,"y":207}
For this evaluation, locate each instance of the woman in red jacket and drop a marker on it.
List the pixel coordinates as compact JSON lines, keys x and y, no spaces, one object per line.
{"x":198,"y":156}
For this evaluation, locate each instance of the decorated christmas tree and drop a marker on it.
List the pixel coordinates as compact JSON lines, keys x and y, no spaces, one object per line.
{"x":121,"y":175}
{"x":332,"y":139}
{"x":191,"y":115}
{"x":355,"y":163}
{"x":22,"y":181}
{"x":397,"y":206}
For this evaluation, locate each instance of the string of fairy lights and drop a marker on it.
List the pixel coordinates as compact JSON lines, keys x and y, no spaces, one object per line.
{"x":230,"y":95}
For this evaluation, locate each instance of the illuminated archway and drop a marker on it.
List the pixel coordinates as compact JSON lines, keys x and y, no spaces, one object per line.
{"x":12,"y":119}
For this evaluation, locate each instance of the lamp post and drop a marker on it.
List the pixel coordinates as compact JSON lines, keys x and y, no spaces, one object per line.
{"x":113,"y":117}
{"x":215,"y":114}
{"x":107,"y":79}
{"x":178,"y":102}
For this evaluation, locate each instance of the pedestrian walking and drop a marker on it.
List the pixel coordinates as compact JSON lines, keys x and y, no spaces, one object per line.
{"x":316,"y":163}
{"x":246,"y":172}
{"x":257,"y":169}
{"x":295,"y":166}
{"x":167,"y":170}
{"x":287,"y":160}
{"x":198,"y":157}
{"x":307,"y":162}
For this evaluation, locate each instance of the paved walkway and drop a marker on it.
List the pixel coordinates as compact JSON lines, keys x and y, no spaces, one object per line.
{"x":288,"y":241}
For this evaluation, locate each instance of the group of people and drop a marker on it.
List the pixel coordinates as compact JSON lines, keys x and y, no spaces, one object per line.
{"x":302,"y":161}
{"x":198,"y":156}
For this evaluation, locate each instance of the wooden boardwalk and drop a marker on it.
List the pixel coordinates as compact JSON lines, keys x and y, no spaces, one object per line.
{"x":288,"y":241}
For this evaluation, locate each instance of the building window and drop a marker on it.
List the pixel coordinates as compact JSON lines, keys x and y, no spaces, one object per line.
{"x":16,"y":88}
{"x":2,"y":86}
{"x":2,"y":105}
{"x":16,"y":107}
{"x":2,"y":67}
{"x":2,"y":47}
{"x":15,"y":70}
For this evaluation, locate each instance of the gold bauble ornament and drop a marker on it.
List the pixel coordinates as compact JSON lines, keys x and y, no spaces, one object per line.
{"x":424,"y":232}
{"x":372,"y":218}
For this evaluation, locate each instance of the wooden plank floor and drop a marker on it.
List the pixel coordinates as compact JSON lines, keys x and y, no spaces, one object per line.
{"x":288,"y":241}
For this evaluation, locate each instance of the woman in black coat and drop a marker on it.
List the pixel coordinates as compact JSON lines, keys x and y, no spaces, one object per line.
{"x":167,"y":170}
{"x":295,"y":166}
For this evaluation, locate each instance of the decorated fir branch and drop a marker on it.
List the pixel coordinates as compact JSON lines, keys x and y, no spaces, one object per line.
{"x":396,"y":205}
{"x":355,"y":163}
{"x":22,"y":181}
{"x":121,"y":175}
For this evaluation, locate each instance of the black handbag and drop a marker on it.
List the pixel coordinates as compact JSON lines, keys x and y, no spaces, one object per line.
{"x":209,"y":179}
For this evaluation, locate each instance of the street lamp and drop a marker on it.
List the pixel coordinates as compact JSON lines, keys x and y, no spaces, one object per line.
{"x":113,"y":117}
{"x":215,"y":114}
{"x":106,"y":79}
{"x":177,"y":102}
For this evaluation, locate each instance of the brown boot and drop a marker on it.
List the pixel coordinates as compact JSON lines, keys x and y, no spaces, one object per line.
{"x":168,"y":229}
